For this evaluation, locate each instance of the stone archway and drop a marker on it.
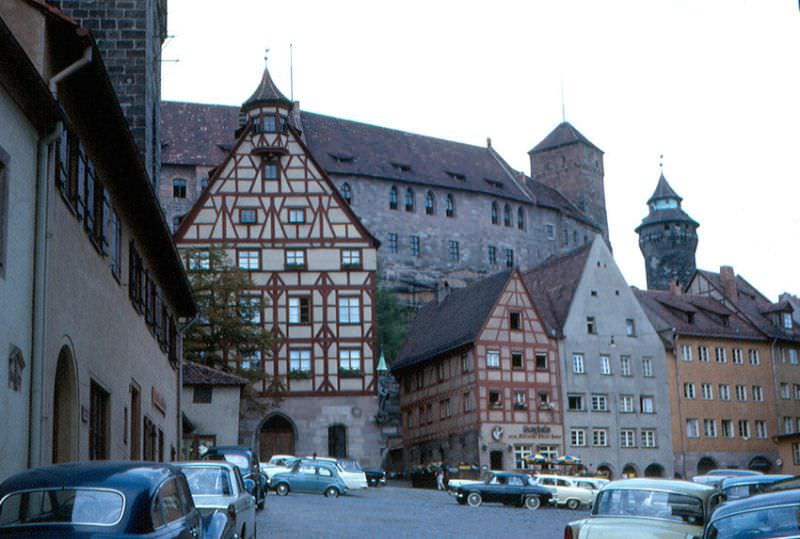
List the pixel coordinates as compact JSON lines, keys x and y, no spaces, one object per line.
{"x":630,"y":471}
{"x":705,"y":465}
{"x":276,"y":437}
{"x":760,"y":463}
{"x":65,"y":409}
{"x":606,"y":471}
{"x":654,"y":470}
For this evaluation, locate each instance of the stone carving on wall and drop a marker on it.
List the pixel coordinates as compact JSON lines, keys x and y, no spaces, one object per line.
{"x":16,"y":364}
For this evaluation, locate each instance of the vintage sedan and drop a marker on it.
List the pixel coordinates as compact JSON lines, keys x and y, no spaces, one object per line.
{"x":504,"y":487}
{"x":764,"y":516}
{"x":566,"y":490}
{"x":218,"y":486}
{"x":647,"y":509}
{"x":247,"y":461}
{"x":744,"y":486}
{"x":375,"y":477}
{"x":119,"y":499}
{"x":312,"y":476}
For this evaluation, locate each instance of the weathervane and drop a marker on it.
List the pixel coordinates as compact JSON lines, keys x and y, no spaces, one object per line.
{"x":661,"y":163}
{"x":266,"y":53}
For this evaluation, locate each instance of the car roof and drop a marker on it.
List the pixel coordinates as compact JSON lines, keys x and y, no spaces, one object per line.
{"x":320,"y":462}
{"x":759,"y":501}
{"x":733,"y":471}
{"x":230,"y":448}
{"x":205,"y":464}
{"x":670,"y":485}
{"x":740,"y":480}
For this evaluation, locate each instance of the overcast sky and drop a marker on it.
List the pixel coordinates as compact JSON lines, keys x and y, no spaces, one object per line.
{"x":714,"y":85}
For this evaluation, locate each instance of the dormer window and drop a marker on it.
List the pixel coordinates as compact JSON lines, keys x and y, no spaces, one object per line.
{"x":787,"y":320}
{"x":456,"y":175}
{"x":341,"y":157}
{"x":347,"y":193}
{"x":401,"y":167}
{"x":494,"y":183}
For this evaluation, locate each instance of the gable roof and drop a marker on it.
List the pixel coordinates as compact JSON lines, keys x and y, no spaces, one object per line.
{"x":563,"y":135}
{"x":195,"y":374}
{"x":553,"y":283}
{"x":452,"y":323}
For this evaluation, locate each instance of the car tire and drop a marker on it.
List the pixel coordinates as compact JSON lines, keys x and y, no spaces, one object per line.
{"x":533,"y":502}
{"x":573,"y":504}
{"x":282,"y":489}
{"x":331,"y":492}
{"x":474,"y":499}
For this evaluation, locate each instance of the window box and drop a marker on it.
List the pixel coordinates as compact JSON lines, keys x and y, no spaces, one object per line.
{"x":521,"y":406}
{"x":299,"y":375}
{"x":350,"y":373}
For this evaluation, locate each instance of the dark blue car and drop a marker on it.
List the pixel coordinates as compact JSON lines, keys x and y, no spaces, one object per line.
{"x":504,"y":487}
{"x":772,"y":515}
{"x":99,"y":499}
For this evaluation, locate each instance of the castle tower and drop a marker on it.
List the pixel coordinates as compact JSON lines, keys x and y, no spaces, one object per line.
{"x":566,"y":161}
{"x":667,"y":239}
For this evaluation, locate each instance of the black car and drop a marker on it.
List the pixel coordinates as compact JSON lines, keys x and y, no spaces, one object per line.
{"x":762,"y":516}
{"x":119,"y":499}
{"x":506,"y":488}
{"x":375,"y":477}
{"x":246,"y":460}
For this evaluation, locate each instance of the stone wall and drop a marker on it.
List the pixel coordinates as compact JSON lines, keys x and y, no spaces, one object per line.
{"x":668,"y":254}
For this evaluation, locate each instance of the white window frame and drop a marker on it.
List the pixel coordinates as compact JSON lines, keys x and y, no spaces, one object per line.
{"x":724,"y":392}
{"x":648,"y":437}
{"x":707,"y":391}
{"x":710,"y":428}
{"x":599,"y":403}
{"x":300,"y":361}
{"x":627,"y":438}
{"x":605,"y":365}
{"x":349,"y":310}
{"x":688,"y":391}
{"x":692,"y":428}
{"x":493,"y":359}
{"x":647,"y":367}
{"x":626,"y":404}
{"x":600,"y":437}
{"x":577,"y":437}
{"x":686,"y":352}
{"x":249,"y":259}
{"x":350,"y":358}
{"x":625,"y":366}
{"x":578,"y":366}
{"x":702,"y":354}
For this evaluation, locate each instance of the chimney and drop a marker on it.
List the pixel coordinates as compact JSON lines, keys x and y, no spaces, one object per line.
{"x":728,"y":278}
{"x":675,"y":287}
{"x":442,"y":292}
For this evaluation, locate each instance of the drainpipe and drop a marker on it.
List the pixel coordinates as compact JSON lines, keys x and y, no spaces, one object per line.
{"x":85,"y":59}
{"x":179,"y":440}
{"x":38,"y":307}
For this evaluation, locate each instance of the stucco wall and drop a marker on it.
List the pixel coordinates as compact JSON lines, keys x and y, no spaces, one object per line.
{"x":219,"y":418}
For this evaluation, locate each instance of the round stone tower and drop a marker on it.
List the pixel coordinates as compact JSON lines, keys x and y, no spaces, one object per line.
{"x":667,"y":239}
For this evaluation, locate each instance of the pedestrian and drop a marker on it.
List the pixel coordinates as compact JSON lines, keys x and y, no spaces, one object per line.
{"x":440,"y":478}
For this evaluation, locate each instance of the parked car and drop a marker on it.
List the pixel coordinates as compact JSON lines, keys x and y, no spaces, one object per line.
{"x":130,"y":499}
{"x":591,"y":483}
{"x":744,"y":486}
{"x":312,"y":476}
{"x":349,"y":470}
{"x":246,"y":460}
{"x":764,"y":516}
{"x":715,"y":477}
{"x":566,"y":491}
{"x":218,"y":486}
{"x":375,"y":477}
{"x":647,"y":508}
{"x":787,"y":484}
{"x":453,"y":484}
{"x":504,"y":487}
{"x":277,"y":464}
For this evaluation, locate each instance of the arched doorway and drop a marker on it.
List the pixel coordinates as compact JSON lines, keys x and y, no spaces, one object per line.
{"x":65,"y":409}
{"x":276,"y":437}
{"x":654,"y":470}
{"x":705,"y":465}
{"x":337,"y":441}
{"x":605,"y":471}
{"x":761,"y":464}
{"x":630,"y":471}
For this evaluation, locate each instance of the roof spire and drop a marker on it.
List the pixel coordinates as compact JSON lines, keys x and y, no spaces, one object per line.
{"x":266,"y":93}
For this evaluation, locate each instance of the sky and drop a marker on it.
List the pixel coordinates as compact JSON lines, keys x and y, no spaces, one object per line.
{"x":712,"y":85}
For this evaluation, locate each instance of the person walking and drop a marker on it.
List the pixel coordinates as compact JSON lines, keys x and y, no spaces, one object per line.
{"x":440,"y":477}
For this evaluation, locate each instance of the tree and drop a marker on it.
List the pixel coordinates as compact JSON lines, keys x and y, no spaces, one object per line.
{"x":393,"y":323}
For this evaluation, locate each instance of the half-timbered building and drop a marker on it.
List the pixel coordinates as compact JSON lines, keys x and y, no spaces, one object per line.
{"x":312,"y":264}
{"x":480,"y":379}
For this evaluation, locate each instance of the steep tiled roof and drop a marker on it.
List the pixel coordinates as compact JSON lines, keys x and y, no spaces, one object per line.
{"x":195,"y":374}
{"x":547,"y":197}
{"x":196,"y":134}
{"x":553,"y":283}
{"x":671,"y":215}
{"x":443,"y":326}
{"x":266,"y":93}
{"x":664,"y":190}
{"x":563,"y":135}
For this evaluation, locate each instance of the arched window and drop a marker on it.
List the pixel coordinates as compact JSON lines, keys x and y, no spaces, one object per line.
{"x":347,"y":193}
{"x":409,"y":199}
{"x":520,"y":218}
{"x":494,"y":213}
{"x":179,"y":188}
{"x":507,"y":215}
{"x":393,"y":198}
{"x":451,"y":206}
{"x":204,"y":184}
{"x":337,"y":441}
{"x":430,"y":203}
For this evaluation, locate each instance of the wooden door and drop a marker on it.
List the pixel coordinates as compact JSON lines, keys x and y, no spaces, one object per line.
{"x":276,"y":438}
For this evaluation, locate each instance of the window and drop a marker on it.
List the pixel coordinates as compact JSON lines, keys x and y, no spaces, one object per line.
{"x":247,"y":216}
{"x":520,"y":218}
{"x":787,"y":321}
{"x":509,"y":257}
{"x":347,"y":193}
{"x":178,"y":188}
{"x":250,"y":309}
{"x":516,"y":360}
{"x":797,"y":391}
{"x":702,"y":354}
{"x":719,"y":353}
{"x":299,"y":310}
{"x":414,"y":245}
{"x":793,"y":356}
{"x":647,"y":404}
{"x":297,"y":215}
{"x":785,"y":394}
{"x":758,"y":393}
{"x":647,"y":367}
{"x":515,"y":320}
{"x":686,"y":352}
{"x":627,"y":438}
{"x":727,"y":428}
{"x":630,"y":327}
{"x":507,"y":215}
{"x":724,"y":392}
{"x":420,"y":379}
{"x":600,"y":437}
{"x":648,"y":438}
{"x":550,"y":231}
{"x":350,"y":360}
{"x":270,"y":170}
{"x":577,"y":364}
{"x":625,"y":365}
{"x":796,"y":453}
{"x":709,"y":428}
{"x":521,"y":454}
{"x":541,"y":361}
{"x":349,"y":310}
{"x":4,"y":211}
{"x":591,"y":325}
{"x":249,"y":259}
{"x":707,"y":390}
{"x":738,"y":357}
{"x":754,"y":357}
{"x":199,"y":260}
{"x":409,"y":201}
{"x":466,"y":362}
{"x":453,"y":250}
{"x":688,"y":391}
{"x":493,"y":359}
{"x":494,"y":399}
{"x":495,"y":219}
{"x":430,"y":208}
{"x":393,"y":198}
{"x":444,"y":409}
{"x":351,"y":258}
{"x":451,"y":206}
{"x":626,"y":404}
{"x":741,"y":393}
{"x":492,"y":255}
{"x":267,"y":124}
{"x":692,"y":428}
{"x":575,"y":403}
{"x":440,"y":372}
{"x":788,"y":425}
{"x":116,"y":244}
{"x":605,"y":365}
{"x":599,"y":403}
{"x":251,"y":360}
{"x":295,"y":258}
{"x":392,"y":242}
{"x":761,"y":429}
{"x":468,"y":404}
{"x":520,"y":400}
{"x":300,"y":361}
{"x":98,"y":422}
{"x":744,"y":428}
{"x":577,"y":437}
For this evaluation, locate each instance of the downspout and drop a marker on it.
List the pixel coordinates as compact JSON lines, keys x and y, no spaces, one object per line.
{"x":85,"y":59}
{"x":35,"y":405}
{"x":179,"y":440}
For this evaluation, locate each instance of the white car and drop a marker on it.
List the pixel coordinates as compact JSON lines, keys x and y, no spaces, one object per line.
{"x":350,"y":472}
{"x":278,"y":464}
{"x":453,"y":484}
{"x":566,"y":490}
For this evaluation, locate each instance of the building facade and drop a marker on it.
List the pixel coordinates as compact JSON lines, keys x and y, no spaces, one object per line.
{"x":479,"y":379}
{"x":616,"y":404}
{"x":312,"y":265}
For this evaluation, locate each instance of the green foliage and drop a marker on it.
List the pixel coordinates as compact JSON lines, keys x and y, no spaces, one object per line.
{"x":393,"y":321}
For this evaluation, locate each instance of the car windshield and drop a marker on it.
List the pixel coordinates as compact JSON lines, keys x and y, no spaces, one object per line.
{"x":208,"y":481}
{"x":240,"y":461}
{"x":740,"y":491}
{"x":759,"y":524}
{"x":62,"y":506}
{"x":647,"y":503}
{"x":350,"y":465}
